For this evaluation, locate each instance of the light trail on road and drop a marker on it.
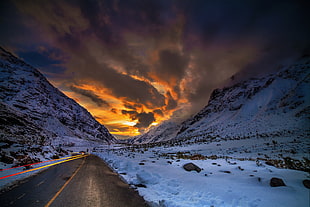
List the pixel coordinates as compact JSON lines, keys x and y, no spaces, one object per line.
{"x":33,"y":164}
{"x":45,"y":166}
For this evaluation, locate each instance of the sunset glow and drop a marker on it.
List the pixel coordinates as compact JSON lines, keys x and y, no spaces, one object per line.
{"x":134,"y":64}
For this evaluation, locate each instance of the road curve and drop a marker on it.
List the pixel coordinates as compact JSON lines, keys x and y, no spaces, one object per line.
{"x":83,"y":182}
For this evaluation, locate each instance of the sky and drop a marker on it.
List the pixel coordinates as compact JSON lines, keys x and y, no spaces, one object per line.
{"x":136,"y":63}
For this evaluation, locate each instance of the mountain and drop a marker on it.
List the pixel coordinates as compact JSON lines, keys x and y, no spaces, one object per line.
{"x":35,"y":112}
{"x":165,"y":131}
{"x":277,"y":104}
{"x":274,"y":105}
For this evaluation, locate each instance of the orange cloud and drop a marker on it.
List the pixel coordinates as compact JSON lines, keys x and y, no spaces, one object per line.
{"x":113,"y":117}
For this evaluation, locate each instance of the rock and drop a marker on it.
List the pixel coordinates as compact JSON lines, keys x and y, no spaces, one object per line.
{"x":140,"y":185}
{"x":26,"y":161}
{"x":54,"y":157}
{"x":306,"y":183}
{"x":225,"y":171}
{"x":276,"y":182}
{"x":240,"y":168}
{"x":191,"y":166}
{"x":7,"y":159}
{"x":269,"y":163}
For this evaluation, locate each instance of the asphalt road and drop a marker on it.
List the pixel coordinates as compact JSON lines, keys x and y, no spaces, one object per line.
{"x":83,"y":182}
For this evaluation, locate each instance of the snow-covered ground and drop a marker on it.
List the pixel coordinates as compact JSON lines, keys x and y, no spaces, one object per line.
{"x":231,"y":178}
{"x":234,"y":172}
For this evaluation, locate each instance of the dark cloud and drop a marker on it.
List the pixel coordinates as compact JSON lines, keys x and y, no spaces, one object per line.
{"x":49,"y":61}
{"x":134,"y":90}
{"x":172,"y":65}
{"x":91,"y":95}
{"x":114,"y":110}
{"x":129,"y":106}
{"x":158,"y":112}
{"x":133,"y":106}
{"x":172,"y":104}
{"x":86,"y":64}
{"x":17,"y":35}
{"x":120,"y":85}
{"x":132,"y":114}
{"x":280,"y":27}
{"x":107,"y":23}
{"x":144,"y":119}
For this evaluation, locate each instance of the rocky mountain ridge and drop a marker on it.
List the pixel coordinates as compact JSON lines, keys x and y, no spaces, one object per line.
{"x":34,"y":111}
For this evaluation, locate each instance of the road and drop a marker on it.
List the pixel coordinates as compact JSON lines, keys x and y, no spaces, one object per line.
{"x":82,"y":182}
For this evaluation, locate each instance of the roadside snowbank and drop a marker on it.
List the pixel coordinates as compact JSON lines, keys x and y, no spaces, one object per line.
{"x":161,"y":180}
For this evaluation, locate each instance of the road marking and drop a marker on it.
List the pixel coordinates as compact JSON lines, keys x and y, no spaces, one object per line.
{"x":63,"y":187}
{"x":40,"y":183}
{"x":21,"y":196}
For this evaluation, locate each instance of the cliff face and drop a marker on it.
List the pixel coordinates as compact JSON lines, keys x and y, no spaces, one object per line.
{"x":34,"y":111}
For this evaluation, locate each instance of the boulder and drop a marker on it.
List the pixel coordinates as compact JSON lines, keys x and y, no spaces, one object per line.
{"x":276,"y":182}
{"x":191,"y":166}
{"x":140,"y":185}
{"x":306,"y":183}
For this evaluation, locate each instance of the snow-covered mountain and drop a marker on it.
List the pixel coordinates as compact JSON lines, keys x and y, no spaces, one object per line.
{"x":35,"y":112}
{"x":273,"y":105}
{"x":165,"y":131}
{"x":276,"y":104}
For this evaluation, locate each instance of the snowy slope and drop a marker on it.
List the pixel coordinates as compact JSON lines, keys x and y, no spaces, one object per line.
{"x":231,"y":177}
{"x":18,"y":127}
{"x":165,"y":131}
{"x":37,"y":109}
{"x":274,"y":105}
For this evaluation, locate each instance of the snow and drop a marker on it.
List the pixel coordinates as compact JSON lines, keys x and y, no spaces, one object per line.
{"x":160,"y":178}
{"x":233,"y":178}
